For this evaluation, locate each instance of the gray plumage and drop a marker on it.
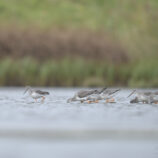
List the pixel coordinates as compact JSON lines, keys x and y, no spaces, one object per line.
{"x":145,"y":97}
{"x":82,"y":95}
{"x":42,"y":92}
{"x":111,"y":91}
{"x":103,"y":94}
{"x":85,"y":93}
{"x":35,"y":94}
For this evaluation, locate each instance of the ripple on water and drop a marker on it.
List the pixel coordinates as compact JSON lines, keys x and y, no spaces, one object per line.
{"x":83,"y":130}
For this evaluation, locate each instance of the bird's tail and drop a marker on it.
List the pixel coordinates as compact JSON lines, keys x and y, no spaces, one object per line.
{"x":46,"y":93}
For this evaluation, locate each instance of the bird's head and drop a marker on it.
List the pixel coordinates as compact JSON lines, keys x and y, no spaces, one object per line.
{"x":71,"y":99}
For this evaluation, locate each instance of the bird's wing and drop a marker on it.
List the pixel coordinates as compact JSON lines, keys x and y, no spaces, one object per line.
{"x":42,"y":92}
{"x":85,"y":93}
{"x":148,"y":93}
{"x":110,"y":92}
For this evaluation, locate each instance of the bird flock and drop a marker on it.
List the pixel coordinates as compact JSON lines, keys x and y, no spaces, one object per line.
{"x":96,"y":95}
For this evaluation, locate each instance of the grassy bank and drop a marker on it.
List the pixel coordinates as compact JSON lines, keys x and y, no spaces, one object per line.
{"x":77,"y":73}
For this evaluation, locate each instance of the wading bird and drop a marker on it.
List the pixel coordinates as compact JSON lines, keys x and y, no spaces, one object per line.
{"x":93,"y":96}
{"x":145,"y":97}
{"x":154,"y":98}
{"x":109,"y":94}
{"x":106,"y":95}
{"x":36,"y":94}
{"x":83,"y":95}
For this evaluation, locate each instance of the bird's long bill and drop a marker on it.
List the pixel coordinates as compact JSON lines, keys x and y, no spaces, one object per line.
{"x":26,"y":90}
{"x":117,"y":90}
{"x":131,"y":93}
{"x":103,"y":89}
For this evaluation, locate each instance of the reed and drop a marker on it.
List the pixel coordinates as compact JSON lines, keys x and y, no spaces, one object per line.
{"x":77,"y":72}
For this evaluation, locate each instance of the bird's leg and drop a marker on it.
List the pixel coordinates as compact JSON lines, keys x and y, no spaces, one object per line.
{"x":111,"y":100}
{"x":89,"y":102}
{"x":36,"y":100}
{"x":43,"y":98}
{"x":96,"y":101}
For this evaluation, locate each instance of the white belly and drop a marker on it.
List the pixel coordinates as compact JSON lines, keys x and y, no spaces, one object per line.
{"x":143,"y":98}
{"x":36,"y":95}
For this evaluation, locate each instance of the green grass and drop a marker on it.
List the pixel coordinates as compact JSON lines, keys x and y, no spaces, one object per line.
{"x":121,"y":15}
{"x":77,"y":72}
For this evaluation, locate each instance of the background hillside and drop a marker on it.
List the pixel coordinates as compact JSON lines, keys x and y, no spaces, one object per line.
{"x":79,"y":43}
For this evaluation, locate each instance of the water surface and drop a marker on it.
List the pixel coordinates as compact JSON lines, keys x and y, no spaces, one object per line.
{"x":131,"y":130}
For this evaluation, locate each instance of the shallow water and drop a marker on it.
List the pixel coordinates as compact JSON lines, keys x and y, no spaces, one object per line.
{"x":83,"y":130}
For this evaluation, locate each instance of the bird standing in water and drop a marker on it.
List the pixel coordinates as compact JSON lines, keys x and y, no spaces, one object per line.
{"x":109,"y":94}
{"x":105,"y":94}
{"x":94,"y":95}
{"x":36,"y":94}
{"x":84,"y":95}
{"x":145,"y":97}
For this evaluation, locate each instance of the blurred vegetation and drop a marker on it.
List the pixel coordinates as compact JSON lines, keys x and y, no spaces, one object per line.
{"x":134,"y":22}
{"x":58,"y":44}
{"x":130,"y":28}
{"x":78,"y":72}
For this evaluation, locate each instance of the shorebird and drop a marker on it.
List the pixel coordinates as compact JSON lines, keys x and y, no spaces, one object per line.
{"x":141,"y":98}
{"x":106,"y":95}
{"x":109,"y":94}
{"x":83,"y":95}
{"x":154,"y":98}
{"x":145,"y":97}
{"x":36,"y":94}
{"x":93,"y":96}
